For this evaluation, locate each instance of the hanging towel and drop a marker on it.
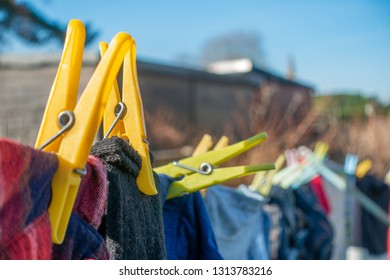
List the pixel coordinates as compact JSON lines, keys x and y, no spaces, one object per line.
{"x":25,"y":180}
{"x":187,"y":227}
{"x":237,"y":221}
{"x":82,"y":241}
{"x":132,"y":225}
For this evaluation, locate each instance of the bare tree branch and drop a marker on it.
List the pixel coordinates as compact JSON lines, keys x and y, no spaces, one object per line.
{"x":26,"y":23}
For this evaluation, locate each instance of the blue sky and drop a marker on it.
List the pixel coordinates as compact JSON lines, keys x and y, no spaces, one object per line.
{"x":337,"y":45}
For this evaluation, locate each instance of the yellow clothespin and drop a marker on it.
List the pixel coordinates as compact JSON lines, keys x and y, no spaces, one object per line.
{"x":263,"y":180}
{"x":363,"y":168}
{"x":204,"y":145}
{"x":222,"y":143}
{"x":63,"y":95}
{"x":201,"y":171}
{"x":115,"y":109}
{"x":73,"y":144}
{"x":129,"y":113}
{"x":294,"y":172}
{"x":321,"y":149}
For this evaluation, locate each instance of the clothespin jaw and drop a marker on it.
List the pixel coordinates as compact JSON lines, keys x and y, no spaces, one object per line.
{"x":363,"y":168}
{"x":76,"y":144}
{"x":134,"y":121}
{"x":196,"y":182}
{"x":350,"y":164}
{"x":302,"y":173}
{"x":222,"y":143}
{"x":263,"y":180}
{"x":77,"y":141}
{"x":128,"y":122}
{"x":200,"y":171}
{"x":215,"y":157}
{"x":292,"y":173}
{"x":112,"y":125}
{"x":321,"y":149}
{"x":204,"y":145}
{"x":63,"y":95}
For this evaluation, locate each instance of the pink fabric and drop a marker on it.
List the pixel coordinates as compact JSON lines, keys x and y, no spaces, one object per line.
{"x":92,"y":195}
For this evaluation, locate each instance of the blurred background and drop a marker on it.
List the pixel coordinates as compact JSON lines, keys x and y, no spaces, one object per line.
{"x":302,"y":71}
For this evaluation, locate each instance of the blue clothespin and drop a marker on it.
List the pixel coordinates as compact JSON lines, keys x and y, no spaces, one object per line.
{"x":350,"y":164}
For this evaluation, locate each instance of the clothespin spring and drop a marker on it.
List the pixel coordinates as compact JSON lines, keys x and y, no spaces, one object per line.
{"x":204,"y":169}
{"x":66,"y":120}
{"x":120,"y":111}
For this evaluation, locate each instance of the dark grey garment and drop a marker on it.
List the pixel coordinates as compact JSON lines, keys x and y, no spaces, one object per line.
{"x":132,"y":225}
{"x":373,"y":232}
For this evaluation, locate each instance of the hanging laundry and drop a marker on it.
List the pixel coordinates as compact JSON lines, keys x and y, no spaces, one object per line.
{"x":353,"y":226}
{"x":318,"y":243}
{"x":25,"y":180}
{"x":292,"y":238}
{"x":187,"y":227}
{"x":373,"y":232}
{"x":82,"y":241}
{"x":338,"y":219}
{"x":132,"y":225}
{"x":272,"y":229}
{"x":387,"y":181}
{"x":318,"y":189}
{"x":237,"y":221}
